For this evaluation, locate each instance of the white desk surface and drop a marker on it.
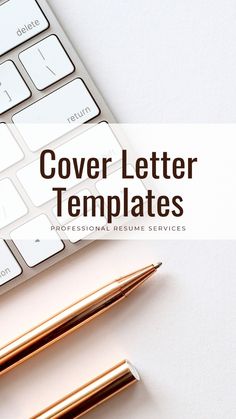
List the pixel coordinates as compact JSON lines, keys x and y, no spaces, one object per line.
{"x":154,"y":61}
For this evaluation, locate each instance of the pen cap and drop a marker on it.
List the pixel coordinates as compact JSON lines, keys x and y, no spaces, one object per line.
{"x":93,"y":393}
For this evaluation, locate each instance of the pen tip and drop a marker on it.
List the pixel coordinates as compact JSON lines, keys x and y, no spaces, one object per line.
{"x":157,"y":265}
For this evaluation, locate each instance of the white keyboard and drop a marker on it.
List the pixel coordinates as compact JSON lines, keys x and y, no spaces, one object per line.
{"x":43,"y":84}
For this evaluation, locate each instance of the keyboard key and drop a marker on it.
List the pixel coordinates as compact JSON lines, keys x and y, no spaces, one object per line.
{"x":12,"y":206}
{"x":19,"y":21}
{"x":65,"y":217}
{"x":56,"y":114}
{"x":46,"y":62}
{"x":82,"y":227}
{"x":36,"y":241}
{"x":13,"y":89}
{"x":77,"y":227}
{"x":10,"y":151}
{"x":9,"y":267}
{"x":100,"y":139}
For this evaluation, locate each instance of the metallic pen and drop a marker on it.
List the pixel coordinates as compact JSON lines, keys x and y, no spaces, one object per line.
{"x":71,"y":318}
{"x":93,"y":393}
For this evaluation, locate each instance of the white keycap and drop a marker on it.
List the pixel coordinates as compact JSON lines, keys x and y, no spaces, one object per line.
{"x":115,"y":184}
{"x":9,"y":267}
{"x":20,"y":20}
{"x":13,"y":89}
{"x":12,"y":206}
{"x":56,"y":114}
{"x":46,"y":62}
{"x":99,"y":140}
{"x":79,"y":228}
{"x":36,"y":241}
{"x":10,"y":151}
{"x":65,"y":217}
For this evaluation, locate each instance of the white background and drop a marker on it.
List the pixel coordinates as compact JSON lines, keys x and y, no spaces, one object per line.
{"x":154,"y":61}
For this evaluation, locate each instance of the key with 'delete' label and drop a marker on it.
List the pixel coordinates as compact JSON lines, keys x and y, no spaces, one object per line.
{"x":20,"y":20}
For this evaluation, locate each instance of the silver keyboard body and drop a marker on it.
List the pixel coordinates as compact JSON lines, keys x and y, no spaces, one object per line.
{"x":54,"y":28}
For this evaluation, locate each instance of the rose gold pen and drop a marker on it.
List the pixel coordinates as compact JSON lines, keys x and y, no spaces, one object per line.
{"x":71,"y":318}
{"x":93,"y":393}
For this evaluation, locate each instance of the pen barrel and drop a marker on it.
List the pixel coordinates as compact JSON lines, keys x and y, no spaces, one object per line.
{"x":58,"y":326}
{"x":87,"y":397}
